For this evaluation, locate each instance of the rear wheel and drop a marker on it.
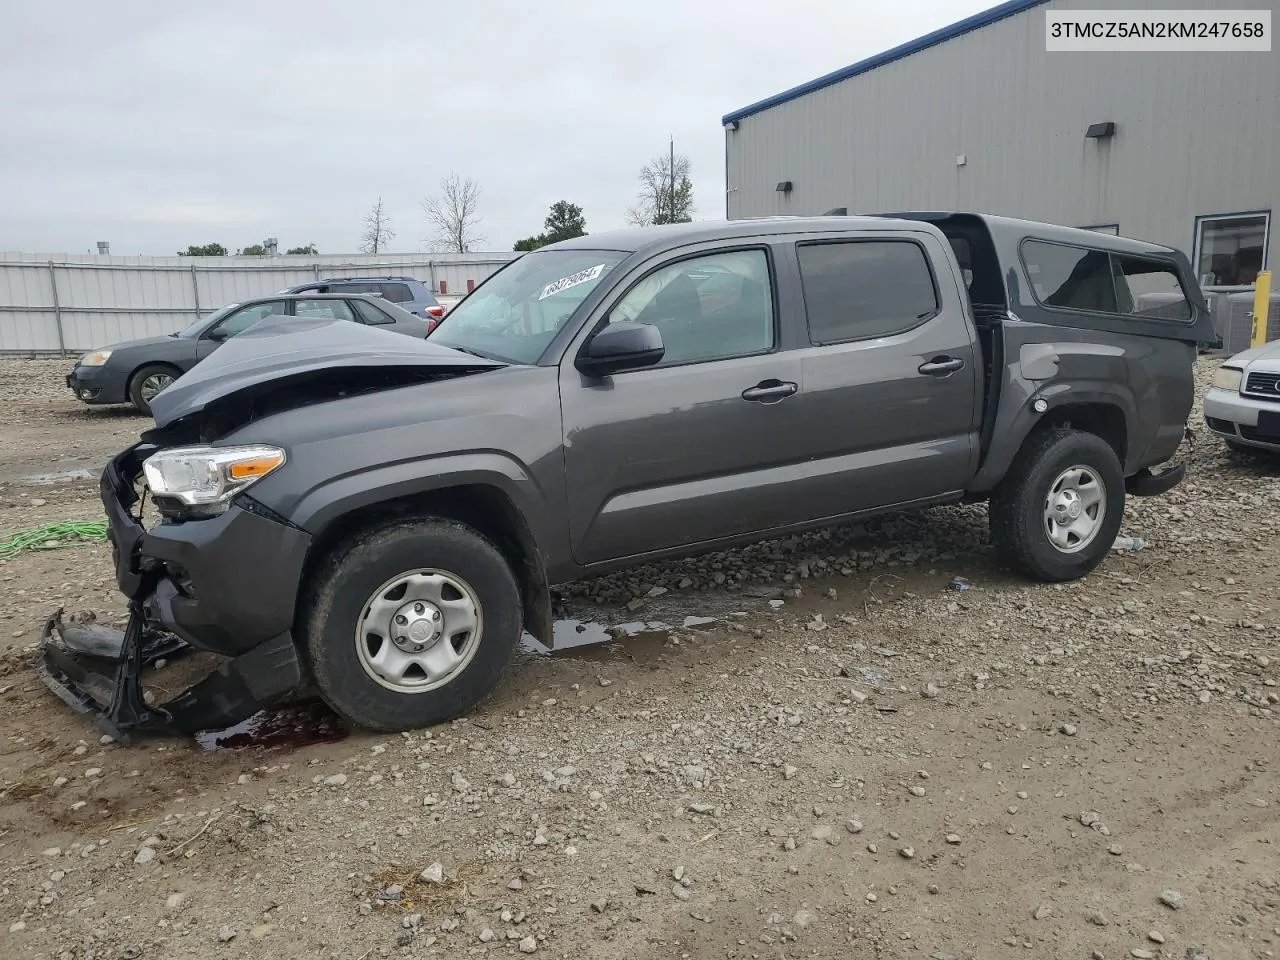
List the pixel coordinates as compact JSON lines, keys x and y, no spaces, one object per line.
{"x":411,"y":624}
{"x":1057,"y":512}
{"x":149,"y":380}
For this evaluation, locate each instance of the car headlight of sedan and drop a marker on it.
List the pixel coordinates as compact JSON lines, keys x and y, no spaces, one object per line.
{"x":95,"y":358}
{"x":1227,"y":378}
{"x":201,"y":481}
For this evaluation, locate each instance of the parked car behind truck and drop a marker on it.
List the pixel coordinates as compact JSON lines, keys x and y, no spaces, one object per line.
{"x":625,"y":397}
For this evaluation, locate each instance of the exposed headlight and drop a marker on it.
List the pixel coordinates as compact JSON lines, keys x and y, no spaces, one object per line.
{"x":95,"y":358}
{"x":208,"y":477}
{"x":1227,"y":378}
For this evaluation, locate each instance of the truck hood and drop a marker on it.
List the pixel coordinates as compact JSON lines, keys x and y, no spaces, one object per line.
{"x":279,"y":352}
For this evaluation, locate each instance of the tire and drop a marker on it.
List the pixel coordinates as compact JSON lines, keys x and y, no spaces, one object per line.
{"x":356,"y":649}
{"x":143,"y":381}
{"x":1044,"y":468}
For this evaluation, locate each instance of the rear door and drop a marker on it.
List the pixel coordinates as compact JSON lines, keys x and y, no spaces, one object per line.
{"x":704,"y":445}
{"x":891,"y":374}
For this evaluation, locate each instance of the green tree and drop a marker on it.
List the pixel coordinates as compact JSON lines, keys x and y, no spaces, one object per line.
{"x":308,"y":251}
{"x":253,"y":250}
{"x":204,"y":250}
{"x":564,"y":222}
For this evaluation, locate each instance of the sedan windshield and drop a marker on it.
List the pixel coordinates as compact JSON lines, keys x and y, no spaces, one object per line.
{"x":521,"y":307}
{"x":195,"y":329}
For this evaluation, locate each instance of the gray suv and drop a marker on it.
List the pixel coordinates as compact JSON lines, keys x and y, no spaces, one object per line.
{"x":615,"y":399}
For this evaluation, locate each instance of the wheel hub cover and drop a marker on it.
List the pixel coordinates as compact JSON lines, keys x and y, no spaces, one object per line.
{"x":418,"y":624}
{"x":1068,"y":506}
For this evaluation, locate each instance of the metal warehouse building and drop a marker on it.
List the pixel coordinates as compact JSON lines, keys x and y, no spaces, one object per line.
{"x":1177,"y":148}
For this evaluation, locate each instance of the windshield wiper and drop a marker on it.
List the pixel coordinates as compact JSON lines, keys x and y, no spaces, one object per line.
{"x":474,"y":353}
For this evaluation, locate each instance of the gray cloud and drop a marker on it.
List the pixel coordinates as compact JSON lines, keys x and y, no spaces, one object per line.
{"x":154,"y":125}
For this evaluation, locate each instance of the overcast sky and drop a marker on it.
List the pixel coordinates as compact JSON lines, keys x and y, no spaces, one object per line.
{"x":154,"y":125}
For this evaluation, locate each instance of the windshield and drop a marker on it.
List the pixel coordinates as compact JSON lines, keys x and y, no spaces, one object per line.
{"x":195,"y":328}
{"x":521,"y":307}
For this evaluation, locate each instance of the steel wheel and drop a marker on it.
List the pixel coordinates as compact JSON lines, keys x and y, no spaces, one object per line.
{"x":1074,"y":509}
{"x":419,"y":630}
{"x":153,"y":385}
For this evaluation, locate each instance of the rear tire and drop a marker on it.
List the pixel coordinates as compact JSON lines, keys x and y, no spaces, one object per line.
{"x":149,"y":380}
{"x":410,"y":624}
{"x":1058,"y":510}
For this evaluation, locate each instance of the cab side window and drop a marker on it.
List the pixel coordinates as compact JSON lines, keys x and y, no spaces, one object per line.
{"x":707,"y":308}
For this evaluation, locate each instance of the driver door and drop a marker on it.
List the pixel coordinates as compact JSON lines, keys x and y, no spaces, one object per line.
{"x":702,"y":446}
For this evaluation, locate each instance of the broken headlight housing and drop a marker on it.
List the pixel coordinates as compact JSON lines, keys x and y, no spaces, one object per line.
{"x":201,"y":481}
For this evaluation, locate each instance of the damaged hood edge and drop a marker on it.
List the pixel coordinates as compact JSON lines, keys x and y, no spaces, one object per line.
{"x":280,"y":348}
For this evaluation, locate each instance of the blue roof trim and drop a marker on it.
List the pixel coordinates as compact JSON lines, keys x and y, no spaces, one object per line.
{"x":977,"y":21}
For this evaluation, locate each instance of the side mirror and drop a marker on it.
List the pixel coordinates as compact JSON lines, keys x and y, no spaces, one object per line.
{"x":217,"y":335}
{"x":621,"y":346}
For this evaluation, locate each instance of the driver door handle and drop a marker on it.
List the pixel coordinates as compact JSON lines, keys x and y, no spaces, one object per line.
{"x":940,"y":366}
{"x":769,"y":391}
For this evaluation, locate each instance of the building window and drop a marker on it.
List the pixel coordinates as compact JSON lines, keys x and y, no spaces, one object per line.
{"x":1231,"y":250}
{"x":855,"y":290}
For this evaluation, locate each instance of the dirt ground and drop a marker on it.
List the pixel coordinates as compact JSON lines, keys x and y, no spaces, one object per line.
{"x":809,"y":748}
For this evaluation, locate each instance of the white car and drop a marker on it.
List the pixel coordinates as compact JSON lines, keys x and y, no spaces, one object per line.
{"x":1243,"y":404}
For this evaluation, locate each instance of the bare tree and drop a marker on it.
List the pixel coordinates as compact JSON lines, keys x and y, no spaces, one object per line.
{"x":666,"y":192}
{"x":377,"y":230}
{"x":452,"y":214}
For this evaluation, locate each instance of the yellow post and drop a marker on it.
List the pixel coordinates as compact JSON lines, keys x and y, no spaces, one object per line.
{"x":1261,"y":301}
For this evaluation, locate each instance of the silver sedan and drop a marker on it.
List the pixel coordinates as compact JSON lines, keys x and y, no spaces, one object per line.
{"x":1243,"y":403}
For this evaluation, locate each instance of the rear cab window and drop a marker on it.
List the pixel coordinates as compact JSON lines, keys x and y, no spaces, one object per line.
{"x":858,"y":289}
{"x":1068,"y":277}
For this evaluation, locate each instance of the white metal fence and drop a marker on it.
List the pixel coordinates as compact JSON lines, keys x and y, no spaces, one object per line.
{"x":64,"y":303}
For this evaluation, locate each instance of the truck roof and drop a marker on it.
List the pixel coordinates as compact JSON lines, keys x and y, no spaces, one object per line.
{"x":657,"y":239}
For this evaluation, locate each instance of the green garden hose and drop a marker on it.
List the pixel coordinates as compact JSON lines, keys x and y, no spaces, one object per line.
{"x":52,"y":535}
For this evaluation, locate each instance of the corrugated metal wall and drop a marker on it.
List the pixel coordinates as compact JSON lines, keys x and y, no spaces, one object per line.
{"x":77,"y":302}
{"x":1196,"y":134}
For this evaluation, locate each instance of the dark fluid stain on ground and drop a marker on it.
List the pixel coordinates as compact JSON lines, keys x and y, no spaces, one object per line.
{"x":279,"y":728}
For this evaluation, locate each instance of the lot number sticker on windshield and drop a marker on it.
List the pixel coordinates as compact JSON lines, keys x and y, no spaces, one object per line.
{"x":564,"y":283}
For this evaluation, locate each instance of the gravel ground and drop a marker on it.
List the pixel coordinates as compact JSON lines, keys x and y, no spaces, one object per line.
{"x":808,"y":748}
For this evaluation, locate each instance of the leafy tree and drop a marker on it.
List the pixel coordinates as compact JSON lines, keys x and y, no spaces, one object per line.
{"x":308,"y":250}
{"x":666,"y":192}
{"x":204,"y":250}
{"x":377,"y":230}
{"x":253,"y":250}
{"x":564,"y":222}
{"x":452,"y":214}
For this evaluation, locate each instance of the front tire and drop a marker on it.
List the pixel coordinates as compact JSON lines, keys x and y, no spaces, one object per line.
{"x":149,"y":380}
{"x":410,"y":624}
{"x":1058,"y":510}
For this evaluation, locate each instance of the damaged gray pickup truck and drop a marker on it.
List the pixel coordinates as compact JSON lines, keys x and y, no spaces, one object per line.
{"x":349,"y":512}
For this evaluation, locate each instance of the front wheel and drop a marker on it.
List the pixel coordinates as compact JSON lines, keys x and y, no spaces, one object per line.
{"x":410,"y":624}
{"x":1057,"y":512}
{"x":147,"y":382}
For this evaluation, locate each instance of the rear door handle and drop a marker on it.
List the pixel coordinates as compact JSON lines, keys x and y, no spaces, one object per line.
{"x":940,"y":366}
{"x":769,"y":391}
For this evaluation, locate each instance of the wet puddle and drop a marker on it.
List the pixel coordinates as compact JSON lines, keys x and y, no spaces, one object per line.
{"x":280,"y":728}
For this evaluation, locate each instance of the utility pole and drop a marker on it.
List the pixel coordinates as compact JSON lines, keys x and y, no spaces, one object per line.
{"x":671,"y":176}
